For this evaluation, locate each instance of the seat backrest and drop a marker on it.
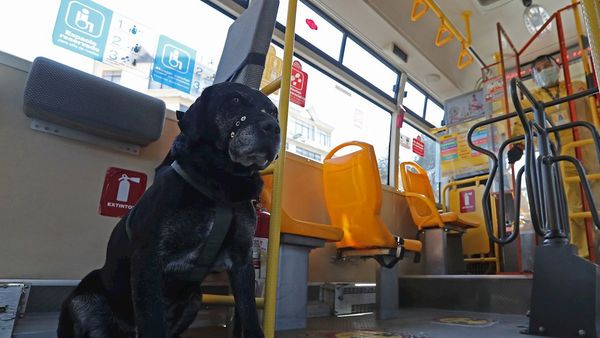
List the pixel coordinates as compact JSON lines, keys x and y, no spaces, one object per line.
{"x":247,"y":44}
{"x":352,"y":191}
{"x":415,"y":180}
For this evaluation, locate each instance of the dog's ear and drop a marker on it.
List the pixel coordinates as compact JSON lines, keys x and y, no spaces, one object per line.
{"x":195,"y":122}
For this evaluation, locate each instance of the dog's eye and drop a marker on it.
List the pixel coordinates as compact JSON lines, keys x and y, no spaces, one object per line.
{"x":235,"y":100}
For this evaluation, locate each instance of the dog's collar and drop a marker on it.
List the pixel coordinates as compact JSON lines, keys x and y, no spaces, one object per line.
{"x":191,"y":181}
{"x":238,"y":123}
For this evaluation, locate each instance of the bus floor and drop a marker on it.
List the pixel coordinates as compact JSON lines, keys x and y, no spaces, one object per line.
{"x":411,"y":323}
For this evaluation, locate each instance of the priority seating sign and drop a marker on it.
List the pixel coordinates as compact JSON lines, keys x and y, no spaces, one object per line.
{"x":298,"y":85}
{"x":121,"y":190}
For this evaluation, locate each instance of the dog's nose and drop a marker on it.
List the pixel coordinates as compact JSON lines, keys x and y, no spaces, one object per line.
{"x":269,"y":126}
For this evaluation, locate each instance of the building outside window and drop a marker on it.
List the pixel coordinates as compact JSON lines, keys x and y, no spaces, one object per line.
{"x":330,"y":107}
{"x":308,"y":154}
{"x":430,"y":162}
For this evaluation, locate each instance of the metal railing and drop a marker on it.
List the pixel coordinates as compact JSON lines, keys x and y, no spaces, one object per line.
{"x":547,"y":200}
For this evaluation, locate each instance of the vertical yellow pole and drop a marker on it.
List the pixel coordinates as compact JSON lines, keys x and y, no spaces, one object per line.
{"x":274,"y":228}
{"x":591,"y":13}
{"x":591,"y":101}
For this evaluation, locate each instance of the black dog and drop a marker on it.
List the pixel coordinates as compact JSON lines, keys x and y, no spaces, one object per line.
{"x":159,"y":253}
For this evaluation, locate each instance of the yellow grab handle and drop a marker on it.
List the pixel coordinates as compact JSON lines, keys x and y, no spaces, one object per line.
{"x":416,"y":14}
{"x":464,"y":58}
{"x":443,"y":34}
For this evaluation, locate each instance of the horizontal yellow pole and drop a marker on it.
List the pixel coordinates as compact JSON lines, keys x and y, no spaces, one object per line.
{"x":271,"y":87}
{"x":590,"y":177}
{"x":581,"y":214}
{"x":268,"y":170}
{"x":456,"y":183}
{"x":227,"y":300}
{"x":565,"y":147}
{"x":481,"y":260}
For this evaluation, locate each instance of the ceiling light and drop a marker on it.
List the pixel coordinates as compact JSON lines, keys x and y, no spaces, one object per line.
{"x":534,"y":17}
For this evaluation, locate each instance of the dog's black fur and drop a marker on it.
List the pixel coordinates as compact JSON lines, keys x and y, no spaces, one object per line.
{"x":139,"y":292}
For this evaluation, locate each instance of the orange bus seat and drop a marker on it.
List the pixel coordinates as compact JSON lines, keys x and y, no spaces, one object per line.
{"x":421,"y":201}
{"x":292,"y":226}
{"x":352,"y":190}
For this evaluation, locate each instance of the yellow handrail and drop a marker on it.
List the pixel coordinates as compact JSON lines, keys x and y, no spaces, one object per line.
{"x":465,"y":57}
{"x":456,"y":183}
{"x":227,"y":300}
{"x":591,"y":13}
{"x":271,"y":87}
{"x":275,"y":226}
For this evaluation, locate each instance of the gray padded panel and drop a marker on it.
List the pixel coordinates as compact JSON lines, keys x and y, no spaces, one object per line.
{"x":69,"y":97}
{"x":250,"y":35}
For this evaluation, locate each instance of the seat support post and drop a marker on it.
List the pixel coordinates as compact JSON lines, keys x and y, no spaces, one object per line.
{"x":291,"y":307}
{"x":387,"y":298}
{"x":443,"y":252}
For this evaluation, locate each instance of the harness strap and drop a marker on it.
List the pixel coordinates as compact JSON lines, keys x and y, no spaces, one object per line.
{"x":214,"y":240}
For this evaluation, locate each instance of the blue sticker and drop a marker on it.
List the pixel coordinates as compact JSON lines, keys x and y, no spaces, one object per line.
{"x":82,"y":26}
{"x":174,"y":64}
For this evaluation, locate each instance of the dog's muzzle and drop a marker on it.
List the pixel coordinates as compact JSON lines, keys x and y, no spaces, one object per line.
{"x":254,"y":142}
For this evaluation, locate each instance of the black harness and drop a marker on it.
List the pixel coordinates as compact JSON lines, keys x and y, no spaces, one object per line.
{"x":216,"y":237}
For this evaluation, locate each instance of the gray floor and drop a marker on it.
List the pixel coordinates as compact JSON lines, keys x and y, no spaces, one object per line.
{"x":412,"y":323}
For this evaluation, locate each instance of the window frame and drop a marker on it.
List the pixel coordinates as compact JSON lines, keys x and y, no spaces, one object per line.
{"x":338,"y":62}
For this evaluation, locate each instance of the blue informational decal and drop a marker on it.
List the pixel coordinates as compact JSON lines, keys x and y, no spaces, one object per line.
{"x":82,"y":26}
{"x":174,"y":64}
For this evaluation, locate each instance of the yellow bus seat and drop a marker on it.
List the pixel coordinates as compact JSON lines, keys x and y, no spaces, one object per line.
{"x":292,"y":226}
{"x":352,"y":191}
{"x":421,"y":201}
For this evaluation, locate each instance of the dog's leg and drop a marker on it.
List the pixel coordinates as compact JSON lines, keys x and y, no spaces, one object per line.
{"x":146,"y":286}
{"x":241,"y":277}
{"x":181,"y":315}
{"x":65,"y":322}
{"x":92,"y":316}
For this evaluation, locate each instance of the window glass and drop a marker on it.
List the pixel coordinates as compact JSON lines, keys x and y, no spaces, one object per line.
{"x":334,"y":114}
{"x":152,"y":48}
{"x":430,"y":161}
{"x":434,"y":113}
{"x":369,"y":67}
{"x":313,"y":28}
{"x":414,"y":100}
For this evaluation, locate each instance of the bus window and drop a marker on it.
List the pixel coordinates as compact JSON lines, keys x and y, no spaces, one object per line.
{"x":333,"y":114}
{"x":434,"y":113}
{"x":314,"y":28}
{"x":127,"y":37}
{"x":414,"y":100}
{"x":430,"y":161}
{"x":369,"y":67}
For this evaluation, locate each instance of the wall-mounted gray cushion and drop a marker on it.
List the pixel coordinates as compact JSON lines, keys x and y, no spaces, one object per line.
{"x":66,"y":96}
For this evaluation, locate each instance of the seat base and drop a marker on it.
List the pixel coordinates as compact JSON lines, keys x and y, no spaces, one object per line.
{"x":292,"y":290}
{"x":443,"y":252}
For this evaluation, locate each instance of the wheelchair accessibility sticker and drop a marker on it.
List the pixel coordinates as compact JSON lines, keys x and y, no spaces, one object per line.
{"x":82,"y":26}
{"x":174,"y":64}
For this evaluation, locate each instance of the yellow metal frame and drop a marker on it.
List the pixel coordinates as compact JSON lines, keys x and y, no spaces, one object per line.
{"x":447,"y":30}
{"x":591,"y":12}
{"x":453,"y":184}
{"x":276,"y":212}
{"x":227,"y":300}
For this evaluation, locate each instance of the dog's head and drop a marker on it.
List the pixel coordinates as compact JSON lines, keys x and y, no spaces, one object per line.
{"x":238,"y":122}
